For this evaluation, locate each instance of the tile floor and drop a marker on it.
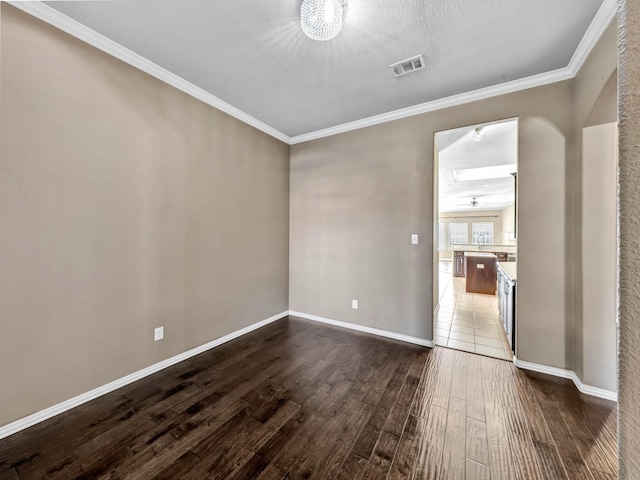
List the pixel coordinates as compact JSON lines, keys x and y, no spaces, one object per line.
{"x":469,"y":321}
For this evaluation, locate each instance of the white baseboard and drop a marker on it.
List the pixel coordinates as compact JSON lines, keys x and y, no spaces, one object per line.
{"x":47,"y":413}
{"x":54,"y":410}
{"x":594,"y":391}
{"x":569,"y":374}
{"x":361,"y":328}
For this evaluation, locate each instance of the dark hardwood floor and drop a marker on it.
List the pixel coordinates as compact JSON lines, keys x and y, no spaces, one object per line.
{"x":298,"y":399}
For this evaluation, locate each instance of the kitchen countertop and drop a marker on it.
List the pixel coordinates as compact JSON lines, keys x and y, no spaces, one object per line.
{"x":509,"y":268}
{"x":485,"y":248}
{"x":479,"y":254}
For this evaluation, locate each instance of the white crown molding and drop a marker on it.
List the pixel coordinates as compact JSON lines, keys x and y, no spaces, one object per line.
{"x":601,"y":21}
{"x":361,"y":328}
{"x":453,"y":101}
{"x":78,"y":30}
{"x":47,"y":413}
{"x":606,"y":13}
{"x":568,"y":374}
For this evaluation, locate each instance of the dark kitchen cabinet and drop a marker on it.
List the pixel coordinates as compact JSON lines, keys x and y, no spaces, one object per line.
{"x":458,"y":264}
{"x":480,"y":273}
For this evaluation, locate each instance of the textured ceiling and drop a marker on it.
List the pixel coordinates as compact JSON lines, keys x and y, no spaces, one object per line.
{"x":253,"y":55}
{"x":459,"y":153}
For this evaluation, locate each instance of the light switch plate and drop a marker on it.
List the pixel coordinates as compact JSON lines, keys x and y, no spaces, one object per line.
{"x":354,"y":304}
{"x":414,"y":239}
{"x":158,"y":334}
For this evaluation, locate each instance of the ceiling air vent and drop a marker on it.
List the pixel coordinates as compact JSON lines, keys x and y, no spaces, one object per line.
{"x":407,"y":66}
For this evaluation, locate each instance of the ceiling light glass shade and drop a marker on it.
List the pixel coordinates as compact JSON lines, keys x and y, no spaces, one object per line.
{"x":321,"y":20}
{"x":478,"y":133}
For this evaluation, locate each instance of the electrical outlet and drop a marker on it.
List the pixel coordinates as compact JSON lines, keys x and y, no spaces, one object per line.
{"x":354,"y":304}
{"x":158,"y":334}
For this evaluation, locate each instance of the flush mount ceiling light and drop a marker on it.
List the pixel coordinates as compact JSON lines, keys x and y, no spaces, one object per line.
{"x":478,"y":133}
{"x":321,"y":20}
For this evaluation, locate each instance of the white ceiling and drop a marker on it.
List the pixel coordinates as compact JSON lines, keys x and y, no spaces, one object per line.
{"x":459,"y":153}
{"x":253,"y":55}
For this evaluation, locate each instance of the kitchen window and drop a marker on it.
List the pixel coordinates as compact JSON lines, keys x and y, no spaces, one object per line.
{"x":482,"y":232}
{"x":458,"y":233}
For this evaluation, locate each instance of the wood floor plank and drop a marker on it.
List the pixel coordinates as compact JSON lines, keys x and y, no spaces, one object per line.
{"x":477,"y":448}
{"x":407,"y":452}
{"x":424,"y":392}
{"x":398,"y":414}
{"x":538,"y":426}
{"x":353,"y":468}
{"x":251,"y":469}
{"x":442,"y":381}
{"x":459,"y":376}
{"x":188,"y":441}
{"x":475,"y":393}
{"x":603,"y":476}
{"x":454,"y":449}
{"x":381,"y":458}
{"x":549,"y":460}
{"x":500,"y":456}
{"x":354,"y":424}
{"x":432,"y":433}
{"x":309,"y":462}
{"x":602,"y":422}
{"x":297,"y":399}
{"x":573,"y":462}
{"x":9,"y":474}
{"x":372,"y":431}
{"x":477,"y":471}
{"x":594,"y":456}
{"x":523,"y":452}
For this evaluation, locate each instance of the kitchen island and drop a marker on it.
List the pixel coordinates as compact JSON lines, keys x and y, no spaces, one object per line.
{"x":480,"y":270}
{"x":503,"y":253}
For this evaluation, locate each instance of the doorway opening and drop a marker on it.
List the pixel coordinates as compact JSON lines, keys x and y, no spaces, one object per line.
{"x":475,"y":252}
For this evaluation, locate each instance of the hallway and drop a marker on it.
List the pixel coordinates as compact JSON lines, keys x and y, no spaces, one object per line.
{"x":468,"y":321}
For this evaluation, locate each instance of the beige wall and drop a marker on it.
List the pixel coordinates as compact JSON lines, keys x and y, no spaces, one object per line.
{"x":605,"y":109}
{"x":508,"y":224}
{"x":599,"y":346}
{"x":595,"y":103}
{"x":357,"y":197}
{"x":126,"y":205}
{"x":544,"y":328}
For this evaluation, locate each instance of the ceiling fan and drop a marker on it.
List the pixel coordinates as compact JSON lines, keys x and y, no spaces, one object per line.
{"x":472,"y":203}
